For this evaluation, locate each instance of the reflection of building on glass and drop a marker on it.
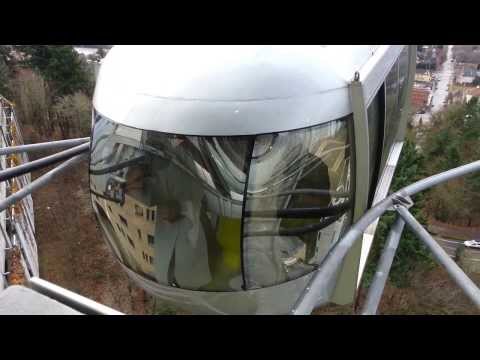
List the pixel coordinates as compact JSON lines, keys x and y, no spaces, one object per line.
{"x":115,"y":189}
{"x":168,"y":195}
{"x":134,"y":226}
{"x":131,"y":216}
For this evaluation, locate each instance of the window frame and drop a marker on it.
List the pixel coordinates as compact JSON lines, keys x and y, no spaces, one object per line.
{"x":138,"y":210}
{"x":150,"y":239}
{"x":376,"y":174}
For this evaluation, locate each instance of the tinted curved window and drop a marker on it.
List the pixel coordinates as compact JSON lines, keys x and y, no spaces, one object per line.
{"x":172,"y":206}
{"x":185,"y":194}
{"x":298,"y":202}
{"x":375,"y":113}
{"x":403,"y":66}
{"x":392,"y":113}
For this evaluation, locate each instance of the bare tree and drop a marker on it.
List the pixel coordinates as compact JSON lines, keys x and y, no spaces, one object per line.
{"x":72,"y":114}
{"x":32,"y":100}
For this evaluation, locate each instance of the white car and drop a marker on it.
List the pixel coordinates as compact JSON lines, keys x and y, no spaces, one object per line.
{"x":472,"y":244}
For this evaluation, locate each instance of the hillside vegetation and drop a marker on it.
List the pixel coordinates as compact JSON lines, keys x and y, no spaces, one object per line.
{"x":51,"y":87}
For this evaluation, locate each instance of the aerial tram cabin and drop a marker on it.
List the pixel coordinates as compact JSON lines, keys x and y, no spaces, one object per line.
{"x":222,"y":176}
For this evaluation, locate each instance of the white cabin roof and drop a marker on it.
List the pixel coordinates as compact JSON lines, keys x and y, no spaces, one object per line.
{"x":133,"y":77}
{"x":237,"y":72}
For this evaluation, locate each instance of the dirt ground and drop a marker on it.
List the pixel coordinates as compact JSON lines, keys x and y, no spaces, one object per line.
{"x":432,"y":292}
{"x":71,"y":250}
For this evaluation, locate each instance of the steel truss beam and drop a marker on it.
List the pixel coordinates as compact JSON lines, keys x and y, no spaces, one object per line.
{"x":319,"y":289}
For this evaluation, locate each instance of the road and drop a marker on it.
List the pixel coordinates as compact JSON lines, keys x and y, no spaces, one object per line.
{"x":449,"y":245}
{"x":444,"y":77}
{"x":440,"y":92}
{"x":85,"y":50}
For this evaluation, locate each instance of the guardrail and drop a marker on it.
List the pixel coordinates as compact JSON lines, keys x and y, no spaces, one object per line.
{"x":17,"y":221}
{"x":69,"y":298}
{"x":18,"y":248}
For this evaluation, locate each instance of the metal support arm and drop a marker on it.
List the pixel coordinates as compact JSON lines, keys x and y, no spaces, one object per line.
{"x":42,"y":146}
{"x":319,"y":287}
{"x":381,"y":275}
{"x":9,"y":173}
{"x":460,"y":278}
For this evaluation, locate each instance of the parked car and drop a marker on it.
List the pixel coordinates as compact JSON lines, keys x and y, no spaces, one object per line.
{"x":472,"y":244}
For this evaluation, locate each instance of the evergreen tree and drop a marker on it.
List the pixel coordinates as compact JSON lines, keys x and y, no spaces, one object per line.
{"x":5,"y":71}
{"x":411,"y":253}
{"x":5,"y":51}
{"x":60,"y":65}
{"x":451,"y":140}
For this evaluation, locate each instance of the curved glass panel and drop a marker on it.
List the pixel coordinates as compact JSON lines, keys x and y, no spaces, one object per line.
{"x":171,"y":206}
{"x":392,"y":113}
{"x":375,"y":115}
{"x":298,"y":201}
{"x":374,"y":131}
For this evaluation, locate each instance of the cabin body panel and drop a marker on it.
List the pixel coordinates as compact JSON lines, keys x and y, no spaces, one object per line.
{"x":395,"y":88}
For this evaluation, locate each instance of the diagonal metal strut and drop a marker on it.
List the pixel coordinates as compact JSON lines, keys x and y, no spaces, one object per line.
{"x":456,"y":273}
{"x":375,"y":291}
{"x":319,"y":288}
